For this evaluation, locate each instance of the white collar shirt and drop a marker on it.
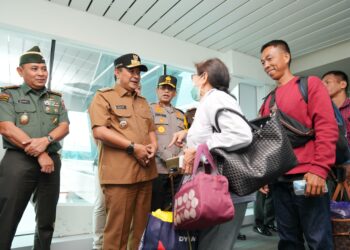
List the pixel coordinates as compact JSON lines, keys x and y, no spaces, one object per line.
{"x":235,"y":132}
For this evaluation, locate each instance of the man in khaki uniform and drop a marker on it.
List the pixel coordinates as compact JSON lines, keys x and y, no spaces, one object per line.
{"x":33,"y":120}
{"x":99,"y":213}
{"x":121,"y":120}
{"x":168,"y":120}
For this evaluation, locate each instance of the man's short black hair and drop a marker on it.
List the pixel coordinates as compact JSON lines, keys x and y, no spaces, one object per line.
{"x":278,"y":43}
{"x":341,"y":75}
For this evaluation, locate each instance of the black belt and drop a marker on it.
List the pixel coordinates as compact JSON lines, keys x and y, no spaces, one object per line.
{"x":290,"y":177}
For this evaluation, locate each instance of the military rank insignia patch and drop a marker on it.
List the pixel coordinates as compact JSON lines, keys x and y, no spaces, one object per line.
{"x":54,"y":120}
{"x":4,"y":97}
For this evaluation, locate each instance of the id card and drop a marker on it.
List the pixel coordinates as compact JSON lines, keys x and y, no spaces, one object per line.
{"x":172,"y":163}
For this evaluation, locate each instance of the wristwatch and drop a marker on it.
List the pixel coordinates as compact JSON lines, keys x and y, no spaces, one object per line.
{"x":130,"y":148}
{"x":50,"y":139}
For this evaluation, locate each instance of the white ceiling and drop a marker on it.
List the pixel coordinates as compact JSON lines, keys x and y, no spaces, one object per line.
{"x":241,"y":25}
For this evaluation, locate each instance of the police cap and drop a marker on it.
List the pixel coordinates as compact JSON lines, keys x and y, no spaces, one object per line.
{"x":130,"y":61}
{"x":167,"y":80}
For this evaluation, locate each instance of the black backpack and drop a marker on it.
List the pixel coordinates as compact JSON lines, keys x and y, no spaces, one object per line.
{"x":342,"y":147}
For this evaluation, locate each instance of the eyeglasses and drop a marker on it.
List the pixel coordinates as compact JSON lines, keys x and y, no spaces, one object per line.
{"x":193,"y":75}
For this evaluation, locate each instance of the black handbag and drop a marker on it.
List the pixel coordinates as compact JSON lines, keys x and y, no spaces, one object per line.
{"x":297,"y":133}
{"x":269,"y":155}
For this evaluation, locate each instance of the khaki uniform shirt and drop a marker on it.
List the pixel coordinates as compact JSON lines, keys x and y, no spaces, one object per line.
{"x":168,"y":120}
{"x":37,"y":113}
{"x":130,"y":116}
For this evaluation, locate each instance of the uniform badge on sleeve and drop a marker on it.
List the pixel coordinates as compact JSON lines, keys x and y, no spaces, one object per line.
{"x":54,"y":120}
{"x":4,"y":97}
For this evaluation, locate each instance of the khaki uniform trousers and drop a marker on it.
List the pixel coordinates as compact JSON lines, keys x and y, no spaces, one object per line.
{"x":126,"y":204}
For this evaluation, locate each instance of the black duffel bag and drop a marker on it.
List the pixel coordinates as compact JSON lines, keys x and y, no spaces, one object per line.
{"x":269,"y":155}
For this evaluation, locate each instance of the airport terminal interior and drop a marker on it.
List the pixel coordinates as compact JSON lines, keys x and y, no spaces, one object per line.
{"x":169,"y":36}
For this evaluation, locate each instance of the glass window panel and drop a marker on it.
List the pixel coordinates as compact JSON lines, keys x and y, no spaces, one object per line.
{"x":78,"y":72}
{"x":247,"y":100}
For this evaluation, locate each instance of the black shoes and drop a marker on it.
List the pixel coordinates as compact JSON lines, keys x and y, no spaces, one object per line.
{"x":241,"y":236}
{"x":263,"y":230}
{"x":272,"y":228}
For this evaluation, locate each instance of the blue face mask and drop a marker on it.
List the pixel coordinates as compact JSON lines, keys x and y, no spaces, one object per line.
{"x":195,"y":93}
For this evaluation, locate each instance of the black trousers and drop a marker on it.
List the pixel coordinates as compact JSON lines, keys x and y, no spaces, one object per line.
{"x":20,"y":177}
{"x":161,"y":191}
{"x":264,"y":212}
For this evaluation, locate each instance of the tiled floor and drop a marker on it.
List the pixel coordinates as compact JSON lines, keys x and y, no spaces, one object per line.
{"x":256,"y":241}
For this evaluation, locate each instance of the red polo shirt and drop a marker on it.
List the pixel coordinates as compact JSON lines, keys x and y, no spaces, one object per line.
{"x":316,"y":156}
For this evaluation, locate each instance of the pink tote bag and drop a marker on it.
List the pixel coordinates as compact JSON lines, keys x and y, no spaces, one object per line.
{"x":204,"y":200}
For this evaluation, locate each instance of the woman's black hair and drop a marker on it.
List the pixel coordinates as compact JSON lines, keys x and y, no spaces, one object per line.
{"x":218,"y":75}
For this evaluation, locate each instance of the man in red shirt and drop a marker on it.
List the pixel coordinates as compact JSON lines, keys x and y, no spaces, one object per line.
{"x":307,"y":215}
{"x":337,"y":84}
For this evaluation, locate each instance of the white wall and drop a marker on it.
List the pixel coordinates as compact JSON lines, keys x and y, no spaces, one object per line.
{"x":60,"y":22}
{"x":2,"y":151}
{"x":248,"y":68}
{"x":322,"y":57}
{"x":82,"y":28}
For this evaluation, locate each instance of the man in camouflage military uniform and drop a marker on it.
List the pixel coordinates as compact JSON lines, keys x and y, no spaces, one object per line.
{"x":168,"y":120}
{"x":122,"y":122}
{"x":33,"y":120}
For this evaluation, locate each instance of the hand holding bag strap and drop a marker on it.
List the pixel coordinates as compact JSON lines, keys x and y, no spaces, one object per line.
{"x":217,"y":127}
{"x":203,"y":149}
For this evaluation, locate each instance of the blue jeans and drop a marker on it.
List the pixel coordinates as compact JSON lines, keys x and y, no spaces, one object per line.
{"x":299,"y":216}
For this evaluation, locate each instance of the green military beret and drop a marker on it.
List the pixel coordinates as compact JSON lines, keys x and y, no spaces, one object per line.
{"x":32,"y":56}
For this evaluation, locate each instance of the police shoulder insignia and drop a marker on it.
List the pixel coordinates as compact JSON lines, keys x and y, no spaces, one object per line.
{"x":10,"y":87}
{"x":54,"y":92}
{"x":4,"y":97}
{"x":159,"y":109}
{"x":105,"y":89}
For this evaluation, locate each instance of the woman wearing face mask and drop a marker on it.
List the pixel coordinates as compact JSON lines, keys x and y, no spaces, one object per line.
{"x":210,"y":88}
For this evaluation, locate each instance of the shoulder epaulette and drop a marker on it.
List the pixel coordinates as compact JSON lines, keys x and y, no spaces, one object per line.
{"x":10,"y":87}
{"x":54,"y":92}
{"x":105,"y":89}
{"x":141,"y":96}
